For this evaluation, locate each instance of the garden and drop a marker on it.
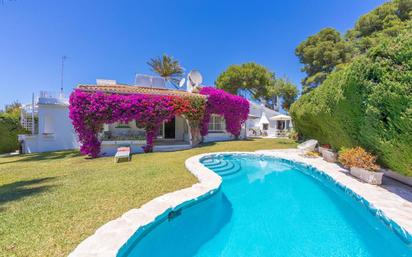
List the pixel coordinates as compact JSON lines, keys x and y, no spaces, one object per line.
{"x":50,"y":202}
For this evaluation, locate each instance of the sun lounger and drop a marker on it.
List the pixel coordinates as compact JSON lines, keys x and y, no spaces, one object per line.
{"x":122,"y":153}
{"x":308,"y":146}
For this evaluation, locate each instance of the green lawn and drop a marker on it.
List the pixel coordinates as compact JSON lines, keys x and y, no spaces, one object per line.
{"x":50,"y":202}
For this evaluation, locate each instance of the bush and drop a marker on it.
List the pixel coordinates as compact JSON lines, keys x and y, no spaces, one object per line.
{"x":293,"y":135}
{"x":368,"y":103}
{"x":9,"y":129}
{"x":358,"y":157}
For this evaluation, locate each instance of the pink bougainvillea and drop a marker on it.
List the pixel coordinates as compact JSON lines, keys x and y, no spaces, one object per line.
{"x":234,"y":109}
{"x":90,"y":110}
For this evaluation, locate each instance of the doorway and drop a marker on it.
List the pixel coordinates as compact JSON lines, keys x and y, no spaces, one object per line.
{"x":170,"y":128}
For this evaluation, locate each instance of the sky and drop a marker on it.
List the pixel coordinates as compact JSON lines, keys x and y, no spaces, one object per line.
{"x":114,"y":39}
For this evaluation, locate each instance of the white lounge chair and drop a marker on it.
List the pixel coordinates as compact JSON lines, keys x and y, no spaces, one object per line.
{"x":308,"y":146}
{"x":122,"y":153}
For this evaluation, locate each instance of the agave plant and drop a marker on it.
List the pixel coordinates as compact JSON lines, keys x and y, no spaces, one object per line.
{"x":168,"y":68}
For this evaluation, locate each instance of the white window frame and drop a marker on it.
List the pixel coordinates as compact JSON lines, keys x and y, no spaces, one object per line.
{"x":215,"y":122}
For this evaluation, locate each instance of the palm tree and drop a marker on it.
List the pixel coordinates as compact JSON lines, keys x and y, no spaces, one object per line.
{"x":168,"y":68}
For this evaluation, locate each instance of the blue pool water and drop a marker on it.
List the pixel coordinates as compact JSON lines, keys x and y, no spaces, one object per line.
{"x":268,"y":207}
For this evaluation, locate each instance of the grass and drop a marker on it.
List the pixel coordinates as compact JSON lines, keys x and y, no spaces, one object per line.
{"x":50,"y":202}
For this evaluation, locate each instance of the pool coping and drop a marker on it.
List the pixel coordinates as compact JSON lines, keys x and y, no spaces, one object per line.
{"x":111,"y":237}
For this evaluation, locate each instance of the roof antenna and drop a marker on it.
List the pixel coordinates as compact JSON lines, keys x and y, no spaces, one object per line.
{"x":64,"y":57}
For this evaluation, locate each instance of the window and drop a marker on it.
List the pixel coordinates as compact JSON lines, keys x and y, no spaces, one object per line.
{"x":217,"y":123}
{"x":160,"y":132}
{"x":281,"y":125}
{"x":122,"y":124}
{"x":265,"y":126}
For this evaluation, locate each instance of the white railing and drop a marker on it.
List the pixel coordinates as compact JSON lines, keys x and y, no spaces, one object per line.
{"x":49,"y":97}
{"x":29,"y":118}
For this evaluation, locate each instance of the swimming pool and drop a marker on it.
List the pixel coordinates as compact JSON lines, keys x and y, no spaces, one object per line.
{"x":268,"y":207}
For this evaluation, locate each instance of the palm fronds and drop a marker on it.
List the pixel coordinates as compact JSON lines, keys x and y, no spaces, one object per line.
{"x":168,"y":68}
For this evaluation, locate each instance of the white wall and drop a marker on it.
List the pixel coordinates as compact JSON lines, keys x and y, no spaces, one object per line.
{"x":56,"y":131}
{"x":180,"y":128}
{"x":213,"y":137}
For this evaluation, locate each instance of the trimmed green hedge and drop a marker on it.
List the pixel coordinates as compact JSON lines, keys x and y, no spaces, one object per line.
{"x":367,"y":103}
{"x":9,"y":129}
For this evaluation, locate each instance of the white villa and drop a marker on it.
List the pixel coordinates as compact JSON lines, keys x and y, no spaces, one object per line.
{"x":48,"y":120}
{"x":265,"y":122}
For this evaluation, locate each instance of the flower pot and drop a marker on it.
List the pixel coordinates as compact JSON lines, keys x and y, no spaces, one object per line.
{"x":371,"y":177}
{"x":321,"y":149}
{"x":329,"y":155}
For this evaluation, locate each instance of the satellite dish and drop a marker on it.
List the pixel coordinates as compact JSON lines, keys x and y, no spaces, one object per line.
{"x":182,"y":82}
{"x":195,"y":78}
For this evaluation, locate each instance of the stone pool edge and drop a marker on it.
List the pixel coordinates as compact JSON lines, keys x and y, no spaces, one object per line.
{"x":112,"y":236}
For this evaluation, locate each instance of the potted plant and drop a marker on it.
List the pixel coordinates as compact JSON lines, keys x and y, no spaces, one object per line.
{"x":323,"y":147}
{"x":361,"y":164}
{"x":328,"y":153}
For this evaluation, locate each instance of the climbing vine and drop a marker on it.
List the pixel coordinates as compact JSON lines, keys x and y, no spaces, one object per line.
{"x":234,"y":109}
{"x":90,"y":110}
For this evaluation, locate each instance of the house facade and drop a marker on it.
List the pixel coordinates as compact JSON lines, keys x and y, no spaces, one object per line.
{"x":54,"y":130}
{"x":266,"y":122}
{"x":48,"y":120}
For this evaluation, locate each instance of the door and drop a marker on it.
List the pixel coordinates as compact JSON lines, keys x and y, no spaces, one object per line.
{"x":170,"y":128}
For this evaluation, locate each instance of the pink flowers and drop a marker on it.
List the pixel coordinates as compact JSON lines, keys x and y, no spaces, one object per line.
{"x":234,"y":109}
{"x":90,"y":110}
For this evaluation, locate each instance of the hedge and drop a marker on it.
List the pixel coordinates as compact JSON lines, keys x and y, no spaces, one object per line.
{"x":9,"y":129}
{"x":368,"y":103}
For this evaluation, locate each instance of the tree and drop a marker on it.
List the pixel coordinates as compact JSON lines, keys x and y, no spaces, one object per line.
{"x":168,"y":68}
{"x":404,"y":11}
{"x":13,"y":108}
{"x":250,"y":78}
{"x":284,"y":89}
{"x":327,"y":51}
{"x":287,"y":91}
{"x":387,"y":20}
{"x":321,"y":54}
{"x":256,"y":81}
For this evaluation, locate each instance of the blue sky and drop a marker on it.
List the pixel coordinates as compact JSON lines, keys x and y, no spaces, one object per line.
{"x":114,"y":39}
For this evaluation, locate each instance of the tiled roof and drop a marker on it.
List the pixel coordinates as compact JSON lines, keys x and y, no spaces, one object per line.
{"x":126,"y":89}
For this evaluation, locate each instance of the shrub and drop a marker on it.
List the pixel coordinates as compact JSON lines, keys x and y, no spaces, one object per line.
{"x":90,"y":110}
{"x":368,"y":103}
{"x":293,"y":135}
{"x":9,"y":129}
{"x":312,"y":154}
{"x":358,"y":157}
